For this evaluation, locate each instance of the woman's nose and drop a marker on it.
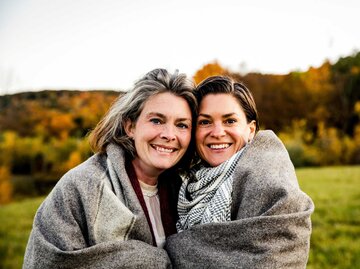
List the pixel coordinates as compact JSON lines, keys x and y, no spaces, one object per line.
{"x":168,"y":133}
{"x":218,"y":130}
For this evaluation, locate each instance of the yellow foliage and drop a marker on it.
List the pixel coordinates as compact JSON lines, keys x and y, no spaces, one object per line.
{"x":297,"y":141}
{"x":9,"y":138}
{"x":6,"y":189}
{"x":7,"y":146}
{"x":330,"y":144}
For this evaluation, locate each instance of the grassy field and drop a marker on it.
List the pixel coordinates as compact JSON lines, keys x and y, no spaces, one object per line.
{"x":335,"y":241}
{"x":15,"y":225}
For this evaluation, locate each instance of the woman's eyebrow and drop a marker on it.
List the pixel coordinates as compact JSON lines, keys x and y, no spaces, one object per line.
{"x":228,"y":115}
{"x":162,"y":116}
{"x":204,"y":115}
{"x":223,"y":116}
{"x":155,"y":114}
{"x":184,"y":119}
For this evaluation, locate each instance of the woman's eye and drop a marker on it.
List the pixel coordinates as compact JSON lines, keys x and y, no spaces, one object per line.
{"x":182,"y":126}
{"x":230,"y":121}
{"x":155,"y":121}
{"x":203,"y":122}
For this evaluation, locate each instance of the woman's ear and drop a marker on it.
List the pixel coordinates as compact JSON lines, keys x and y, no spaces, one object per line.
{"x":252,"y":128}
{"x":129,"y":128}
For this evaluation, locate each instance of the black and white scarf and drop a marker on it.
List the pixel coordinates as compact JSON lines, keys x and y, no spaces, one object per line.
{"x":205,"y":194}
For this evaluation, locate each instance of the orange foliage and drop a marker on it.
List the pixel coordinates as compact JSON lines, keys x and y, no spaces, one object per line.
{"x":6,"y":188}
{"x":318,"y":80}
{"x":74,"y":159}
{"x":208,"y":70}
{"x":357,"y":108}
{"x":61,"y":124}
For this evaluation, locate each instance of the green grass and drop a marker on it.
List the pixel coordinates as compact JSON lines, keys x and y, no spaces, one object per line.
{"x":15,"y":226}
{"x":335,"y":241}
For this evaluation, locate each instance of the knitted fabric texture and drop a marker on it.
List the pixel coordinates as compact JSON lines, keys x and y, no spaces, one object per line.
{"x":209,"y":190}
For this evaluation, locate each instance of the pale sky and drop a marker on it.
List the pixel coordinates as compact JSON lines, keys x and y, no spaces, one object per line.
{"x":92,"y":44}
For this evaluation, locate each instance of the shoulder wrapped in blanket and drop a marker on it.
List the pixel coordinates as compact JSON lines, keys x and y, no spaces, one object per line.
{"x":93,"y":219}
{"x":270,"y":226}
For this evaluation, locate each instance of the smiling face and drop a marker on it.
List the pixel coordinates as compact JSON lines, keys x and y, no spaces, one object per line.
{"x":222,"y":128}
{"x":161,"y":134}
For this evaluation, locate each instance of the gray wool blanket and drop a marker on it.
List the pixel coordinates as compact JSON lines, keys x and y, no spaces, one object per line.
{"x":93,"y":219}
{"x":270,"y":223}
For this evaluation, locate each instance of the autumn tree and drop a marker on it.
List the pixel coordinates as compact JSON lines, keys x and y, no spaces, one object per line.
{"x":208,"y":70}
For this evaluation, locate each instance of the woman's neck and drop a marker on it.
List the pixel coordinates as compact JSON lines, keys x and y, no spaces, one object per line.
{"x":148,"y":176}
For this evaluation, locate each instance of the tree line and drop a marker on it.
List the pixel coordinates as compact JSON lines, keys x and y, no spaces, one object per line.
{"x":316,"y":113}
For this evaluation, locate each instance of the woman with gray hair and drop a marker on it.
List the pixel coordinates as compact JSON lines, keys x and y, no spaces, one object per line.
{"x":116,"y":209}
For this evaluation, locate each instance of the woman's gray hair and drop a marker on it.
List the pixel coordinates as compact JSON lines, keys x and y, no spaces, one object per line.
{"x":128,"y":106}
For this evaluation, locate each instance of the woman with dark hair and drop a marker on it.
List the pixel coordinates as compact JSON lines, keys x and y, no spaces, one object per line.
{"x":116,"y":209}
{"x":241,"y":205}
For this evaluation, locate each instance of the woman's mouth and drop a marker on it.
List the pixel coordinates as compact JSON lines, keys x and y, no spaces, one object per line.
{"x":219,"y":146}
{"x":163,"y":149}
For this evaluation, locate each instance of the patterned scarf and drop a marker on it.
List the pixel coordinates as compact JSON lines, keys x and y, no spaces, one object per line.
{"x":205,"y":194}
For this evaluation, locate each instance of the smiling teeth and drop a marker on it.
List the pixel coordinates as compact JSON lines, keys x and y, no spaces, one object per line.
{"x":164,"y":150}
{"x":222,"y":146}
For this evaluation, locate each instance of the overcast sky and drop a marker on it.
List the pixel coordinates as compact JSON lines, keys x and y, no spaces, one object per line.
{"x":91,"y":44}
